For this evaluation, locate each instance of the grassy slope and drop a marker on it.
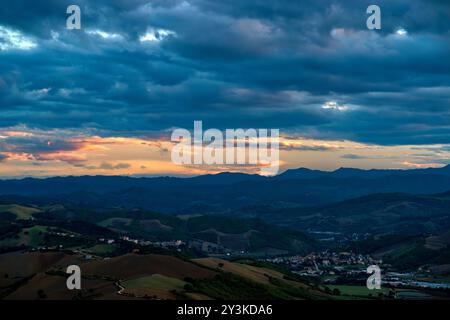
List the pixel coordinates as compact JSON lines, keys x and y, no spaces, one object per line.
{"x":260,"y":275}
{"x":359,"y":291}
{"x":31,"y":237}
{"x":21,"y":212}
{"x":155,"y":281}
{"x":271,"y":283}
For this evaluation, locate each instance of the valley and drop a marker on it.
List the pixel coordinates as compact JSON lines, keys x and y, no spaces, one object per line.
{"x":271,"y":249}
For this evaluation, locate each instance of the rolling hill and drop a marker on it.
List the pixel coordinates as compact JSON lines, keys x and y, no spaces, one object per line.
{"x":84,"y":226}
{"x":377,"y":214}
{"x":33,"y":276}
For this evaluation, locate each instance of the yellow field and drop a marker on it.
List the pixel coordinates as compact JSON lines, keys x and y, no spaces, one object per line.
{"x":156,"y":286}
{"x":260,"y":275}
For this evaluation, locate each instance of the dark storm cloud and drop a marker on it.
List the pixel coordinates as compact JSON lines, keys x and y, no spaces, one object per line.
{"x":108,"y":166}
{"x":50,"y":146}
{"x":352,"y":156}
{"x":35,"y":145}
{"x":306,"y":148}
{"x":255,"y":63}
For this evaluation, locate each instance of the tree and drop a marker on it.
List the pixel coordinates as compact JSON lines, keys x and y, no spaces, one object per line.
{"x":391,"y":293}
{"x":41,"y":294}
{"x":336,"y":292}
{"x":188,"y":287}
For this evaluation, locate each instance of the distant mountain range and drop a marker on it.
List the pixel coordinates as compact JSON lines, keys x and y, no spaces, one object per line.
{"x":227,"y":193}
{"x":353,"y":172}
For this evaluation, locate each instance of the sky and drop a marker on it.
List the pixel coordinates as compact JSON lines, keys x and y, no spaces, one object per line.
{"x":104,"y":99}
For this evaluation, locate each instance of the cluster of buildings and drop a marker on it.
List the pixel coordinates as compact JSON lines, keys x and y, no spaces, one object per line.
{"x":325,"y":262}
{"x":172,"y":244}
{"x":61,"y":234}
{"x":196,"y":244}
{"x":107,"y":241}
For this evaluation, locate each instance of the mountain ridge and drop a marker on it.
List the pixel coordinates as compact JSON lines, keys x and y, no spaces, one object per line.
{"x":226,"y":193}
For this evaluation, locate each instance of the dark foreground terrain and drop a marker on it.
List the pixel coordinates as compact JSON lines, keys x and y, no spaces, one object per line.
{"x":252,"y":248}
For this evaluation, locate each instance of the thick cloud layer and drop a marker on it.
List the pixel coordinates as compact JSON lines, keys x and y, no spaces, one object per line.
{"x":310,"y":68}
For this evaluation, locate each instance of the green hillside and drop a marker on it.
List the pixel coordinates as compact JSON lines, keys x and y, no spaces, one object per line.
{"x":20,"y":212}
